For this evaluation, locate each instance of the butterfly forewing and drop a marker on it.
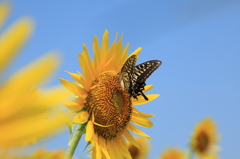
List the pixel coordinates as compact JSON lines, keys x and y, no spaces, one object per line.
{"x":140,"y":73}
{"x":126,"y":72}
{"x":144,"y":70}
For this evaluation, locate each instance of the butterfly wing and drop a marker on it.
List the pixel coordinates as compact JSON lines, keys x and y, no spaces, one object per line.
{"x":144,"y":70}
{"x":126,"y":72}
{"x":140,"y":74}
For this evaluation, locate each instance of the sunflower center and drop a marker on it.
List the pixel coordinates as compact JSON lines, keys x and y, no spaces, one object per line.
{"x":110,"y":105}
{"x":203,"y":142}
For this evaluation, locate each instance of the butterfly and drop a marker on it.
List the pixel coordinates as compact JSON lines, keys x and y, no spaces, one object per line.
{"x":126,"y":72}
{"x":139,"y":76}
{"x":133,"y":77}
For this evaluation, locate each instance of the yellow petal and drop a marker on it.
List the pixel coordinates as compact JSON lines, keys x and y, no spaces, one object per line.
{"x":135,"y":111}
{"x":104,"y":46}
{"x":67,"y":119}
{"x":53,"y":96}
{"x":28,"y":99}
{"x":93,"y":152}
{"x":72,"y":87}
{"x":81,"y":117}
{"x":141,"y":100}
{"x":89,"y":131}
{"x":109,"y":64}
{"x":11,"y":97}
{"x":74,"y":105}
{"x":123,"y":58}
{"x":87,"y":61}
{"x":30,"y":106}
{"x":98,"y":152}
{"x":34,"y":73}
{"x":104,"y":147}
{"x":86,"y":69}
{"x":97,"y":55}
{"x":20,"y":88}
{"x":78,"y":77}
{"x":112,"y":49}
{"x":81,"y":99}
{"x":141,"y":121}
{"x":4,"y":11}
{"x":111,"y":150}
{"x":147,"y":88}
{"x":116,"y":149}
{"x":136,"y":52}
{"x":122,"y":143}
{"x":137,"y":131}
{"x":118,"y":51}
{"x":28,"y":130}
{"x":13,"y":39}
{"x":130,"y":138}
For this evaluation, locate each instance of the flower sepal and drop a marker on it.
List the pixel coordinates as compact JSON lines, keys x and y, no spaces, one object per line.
{"x":88,"y":143}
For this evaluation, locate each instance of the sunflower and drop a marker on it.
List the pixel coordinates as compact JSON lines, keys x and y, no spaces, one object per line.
{"x":204,"y":139}
{"x":173,"y":153}
{"x":102,"y":105}
{"x":24,"y":109}
{"x":142,"y":151}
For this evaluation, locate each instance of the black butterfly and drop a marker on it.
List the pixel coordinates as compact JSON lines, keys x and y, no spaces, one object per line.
{"x":139,"y":76}
{"x":133,"y":77}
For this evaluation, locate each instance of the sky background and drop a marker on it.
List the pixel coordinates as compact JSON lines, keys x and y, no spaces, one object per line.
{"x":198,"y":42}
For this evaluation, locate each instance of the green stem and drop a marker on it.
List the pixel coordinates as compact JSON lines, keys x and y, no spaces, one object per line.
{"x":74,"y":142}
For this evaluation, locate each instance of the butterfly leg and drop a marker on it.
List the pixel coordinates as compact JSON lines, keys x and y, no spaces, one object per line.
{"x":144,"y":96}
{"x":135,"y":96}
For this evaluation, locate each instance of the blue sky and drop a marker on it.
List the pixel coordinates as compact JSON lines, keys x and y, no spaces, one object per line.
{"x":197,"y":41}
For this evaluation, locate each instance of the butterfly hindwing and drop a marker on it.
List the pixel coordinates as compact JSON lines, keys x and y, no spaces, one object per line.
{"x":126,"y":72}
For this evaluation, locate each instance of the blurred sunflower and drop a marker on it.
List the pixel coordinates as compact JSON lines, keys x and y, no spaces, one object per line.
{"x":204,"y":139}
{"x":102,"y":105}
{"x":42,"y":154}
{"x":173,"y":153}
{"x":142,"y":151}
{"x":24,"y":110}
